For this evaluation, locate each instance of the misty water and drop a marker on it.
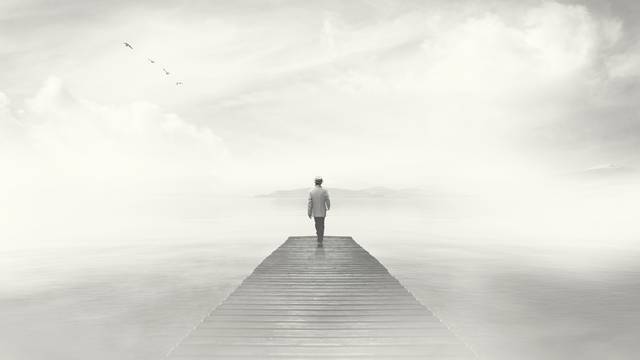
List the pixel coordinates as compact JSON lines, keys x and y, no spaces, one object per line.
{"x":131,"y":279}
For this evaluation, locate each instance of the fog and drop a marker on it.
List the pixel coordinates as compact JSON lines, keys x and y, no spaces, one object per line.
{"x":515,"y":276}
{"x":129,"y":205}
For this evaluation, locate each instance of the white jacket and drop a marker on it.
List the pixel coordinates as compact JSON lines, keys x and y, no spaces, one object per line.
{"x":318,"y":202}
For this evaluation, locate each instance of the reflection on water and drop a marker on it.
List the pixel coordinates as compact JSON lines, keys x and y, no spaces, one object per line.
{"x":135,"y":295}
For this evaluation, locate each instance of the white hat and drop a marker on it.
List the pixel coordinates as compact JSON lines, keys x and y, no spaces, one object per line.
{"x":318,"y":178}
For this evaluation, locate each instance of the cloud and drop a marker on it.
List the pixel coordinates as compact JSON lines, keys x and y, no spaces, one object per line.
{"x":607,"y":171}
{"x":625,"y":65}
{"x":433,"y":94}
{"x":60,"y":141}
{"x":388,"y":92}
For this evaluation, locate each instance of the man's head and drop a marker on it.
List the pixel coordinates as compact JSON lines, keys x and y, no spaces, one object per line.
{"x":318,"y":180}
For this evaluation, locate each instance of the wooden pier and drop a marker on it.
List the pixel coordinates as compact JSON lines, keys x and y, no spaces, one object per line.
{"x":334,"y":301}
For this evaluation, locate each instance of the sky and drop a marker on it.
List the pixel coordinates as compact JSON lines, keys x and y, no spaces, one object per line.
{"x":364,"y":93}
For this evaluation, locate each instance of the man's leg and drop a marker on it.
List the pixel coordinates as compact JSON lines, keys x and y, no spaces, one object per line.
{"x":320,"y":228}
{"x":317,"y":222}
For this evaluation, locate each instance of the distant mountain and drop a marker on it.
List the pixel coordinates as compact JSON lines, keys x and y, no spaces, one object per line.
{"x":372,"y":192}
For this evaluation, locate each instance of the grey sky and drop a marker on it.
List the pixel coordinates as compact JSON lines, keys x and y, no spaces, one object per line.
{"x":378,"y":92}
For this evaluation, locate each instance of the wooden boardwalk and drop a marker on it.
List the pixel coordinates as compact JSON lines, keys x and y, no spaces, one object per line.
{"x":330,"y":302}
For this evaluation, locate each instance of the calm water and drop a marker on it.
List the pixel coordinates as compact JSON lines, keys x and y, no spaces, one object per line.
{"x":130,"y":281}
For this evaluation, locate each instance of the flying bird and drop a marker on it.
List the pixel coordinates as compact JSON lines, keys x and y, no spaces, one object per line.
{"x":166,"y":72}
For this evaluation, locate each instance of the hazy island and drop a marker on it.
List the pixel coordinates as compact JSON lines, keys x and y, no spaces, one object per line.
{"x":372,"y":192}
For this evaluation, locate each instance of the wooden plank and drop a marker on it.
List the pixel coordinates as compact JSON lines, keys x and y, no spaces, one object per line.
{"x":330,"y":302}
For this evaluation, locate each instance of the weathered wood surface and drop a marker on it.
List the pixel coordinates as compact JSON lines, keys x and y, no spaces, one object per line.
{"x":331,"y":302}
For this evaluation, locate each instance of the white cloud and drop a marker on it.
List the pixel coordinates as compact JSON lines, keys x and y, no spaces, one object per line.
{"x":433,"y":94}
{"x":624,"y":66}
{"x":61,"y":141}
{"x":413,"y":91}
{"x":567,"y":37}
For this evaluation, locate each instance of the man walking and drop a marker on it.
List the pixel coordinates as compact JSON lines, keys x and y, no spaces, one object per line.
{"x":318,"y":205}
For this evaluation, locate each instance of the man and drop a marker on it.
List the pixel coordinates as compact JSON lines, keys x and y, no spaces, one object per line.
{"x":318,"y":205}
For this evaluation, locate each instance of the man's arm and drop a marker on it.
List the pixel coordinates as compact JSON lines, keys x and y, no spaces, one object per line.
{"x":327,"y":201}
{"x":309,"y":206}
